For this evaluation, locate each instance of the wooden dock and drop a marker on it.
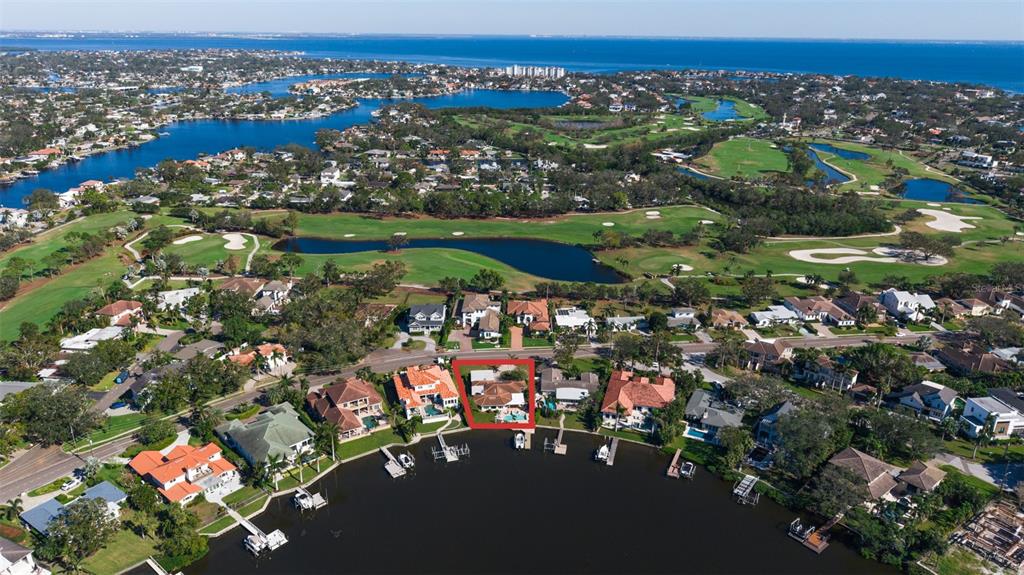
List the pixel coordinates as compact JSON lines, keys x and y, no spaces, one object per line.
{"x":529,"y":438}
{"x":449,"y":453}
{"x":745,"y":492}
{"x":560,"y":448}
{"x":673,"y":468}
{"x":392,"y":466}
{"x":306,"y":500}
{"x":611,"y":453}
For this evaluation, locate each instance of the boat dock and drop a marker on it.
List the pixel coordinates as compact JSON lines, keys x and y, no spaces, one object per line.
{"x":815,"y":539}
{"x":611,"y":453}
{"x":392,"y":466}
{"x":680,"y":469}
{"x":157,"y":568}
{"x":449,"y":453}
{"x":529,"y":439}
{"x":257,"y":541}
{"x":745,"y":492}
{"x":556,"y":446}
{"x":673,"y":468}
{"x":305,"y":500}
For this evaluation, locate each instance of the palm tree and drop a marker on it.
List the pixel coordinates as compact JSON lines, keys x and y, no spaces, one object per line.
{"x":275,"y":464}
{"x":14,"y":508}
{"x":324,"y":436}
{"x":985,"y":435}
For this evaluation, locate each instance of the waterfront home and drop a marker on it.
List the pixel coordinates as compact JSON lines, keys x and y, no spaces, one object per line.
{"x":853,"y":302}
{"x":351,"y":405}
{"x":905,"y":305}
{"x":175,"y":299}
{"x":186,"y":471}
{"x":922,"y":477}
{"x":774,"y":315}
{"x":276,"y":433}
{"x":489,"y":326}
{"x":91,"y":338}
{"x":707,"y":416}
{"x":427,"y":318}
{"x":575,"y":319}
{"x":41,"y":516}
{"x":16,"y":559}
{"x":968,"y":360}
{"x":121,"y":312}
{"x":878,"y":476}
{"x":567,"y":393}
{"x":767,"y":356}
{"x":826,"y":373}
{"x":683,"y":318}
{"x":766,"y":432}
{"x":426,"y":391}
{"x":927,"y":398}
{"x":266,"y":357}
{"x":532,"y":314}
{"x":1003,"y":409}
{"x":473,"y":307}
{"x":727,"y":319}
{"x":626,"y":323}
{"x":248,"y":287}
{"x":497,"y":395}
{"x":630,"y":400}
{"x":817,"y":308}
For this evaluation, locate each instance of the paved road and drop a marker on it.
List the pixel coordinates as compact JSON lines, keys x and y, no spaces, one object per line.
{"x":40,"y":466}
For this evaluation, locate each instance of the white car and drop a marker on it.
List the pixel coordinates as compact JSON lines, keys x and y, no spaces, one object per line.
{"x":70,"y":484}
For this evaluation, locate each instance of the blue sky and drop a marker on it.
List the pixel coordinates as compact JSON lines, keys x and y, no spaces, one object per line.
{"x":862,"y":19}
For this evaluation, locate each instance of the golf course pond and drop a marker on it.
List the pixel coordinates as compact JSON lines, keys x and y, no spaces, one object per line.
{"x":541,"y":258}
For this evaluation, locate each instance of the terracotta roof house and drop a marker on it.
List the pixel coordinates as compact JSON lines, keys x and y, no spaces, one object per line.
{"x":426,"y":391}
{"x":277,"y":432}
{"x":248,"y":287}
{"x":968,"y":360}
{"x":950,"y":308}
{"x":494,"y":395}
{"x":264,"y":357}
{"x":638,"y":397}
{"x":346,"y":404}
{"x":922,"y":476}
{"x":186,"y":471}
{"x":877,"y":475}
{"x":121,"y":312}
{"x":533,"y":314}
{"x":726,"y":318}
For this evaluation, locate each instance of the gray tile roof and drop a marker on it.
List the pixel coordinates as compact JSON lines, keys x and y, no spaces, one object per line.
{"x":272,"y":432}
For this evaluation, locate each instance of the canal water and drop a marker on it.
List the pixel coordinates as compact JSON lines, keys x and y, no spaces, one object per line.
{"x":279,"y":87}
{"x":504,"y":511}
{"x":562,"y":262}
{"x":186,"y":140}
{"x":929,"y":190}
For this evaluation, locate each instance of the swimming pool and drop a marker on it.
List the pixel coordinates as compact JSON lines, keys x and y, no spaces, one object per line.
{"x":518,"y":417}
{"x":697,"y":434}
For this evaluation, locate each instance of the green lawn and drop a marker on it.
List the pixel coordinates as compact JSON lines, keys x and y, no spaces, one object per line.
{"x":114,"y":426}
{"x":747,"y":158}
{"x":48,"y":488}
{"x":242,"y":495}
{"x":377,"y":440}
{"x":879,"y":166}
{"x":209,"y":250}
{"x":536,"y":342}
{"x":217,"y":525}
{"x":123,"y":551}
{"x":602,"y":129}
{"x":959,"y":561}
{"x":292,"y":476}
{"x":52,"y":240}
{"x":998,"y":452}
{"x":253,"y":507}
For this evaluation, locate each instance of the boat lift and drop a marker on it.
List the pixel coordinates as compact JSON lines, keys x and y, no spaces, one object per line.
{"x":745,"y":492}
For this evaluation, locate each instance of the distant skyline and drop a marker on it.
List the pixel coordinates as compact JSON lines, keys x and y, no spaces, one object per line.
{"x":963,"y":20}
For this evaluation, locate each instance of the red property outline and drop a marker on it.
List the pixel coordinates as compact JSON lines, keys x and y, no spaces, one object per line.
{"x":457,"y":364}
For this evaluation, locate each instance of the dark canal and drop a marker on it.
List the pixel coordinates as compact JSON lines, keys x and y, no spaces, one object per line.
{"x":503,"y":511}
{"x":542,"y":258}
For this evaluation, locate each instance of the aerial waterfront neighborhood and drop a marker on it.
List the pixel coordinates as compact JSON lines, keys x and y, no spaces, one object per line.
{"x":262,"y":295}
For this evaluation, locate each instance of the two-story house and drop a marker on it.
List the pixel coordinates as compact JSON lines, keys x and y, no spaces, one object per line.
{"x":1003,"y":409}
{"x":927,"y":398}
{"x":630,"y":400}
{"x":346,"y":404}
{"x":532,"y":314}
{"x":186,"y":471}
{"x":474,"y":306}
{"x":817,"y":308}
{"x":426,"y":391}
{"x":121,"y":312}
{"x":16,"y":559}
{"x":905,"y":305}
{"x":427,"y":318}
{"x":767,"y":356}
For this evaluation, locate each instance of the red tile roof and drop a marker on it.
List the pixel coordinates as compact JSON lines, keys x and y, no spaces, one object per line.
{"x":631,"y":391}
{"x":434,"y":380}
{"x":164,"y":469}
{"x":118,"y":307}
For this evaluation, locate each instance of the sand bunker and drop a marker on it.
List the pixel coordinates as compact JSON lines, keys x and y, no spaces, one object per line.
{"x":595,"y":146}
{"x":399,"y":234}
{"x":234,"y":241}
{"x":935,"y":204}
{"x":652,"y":213}
{"x":848,"y":256}
{"x":608,"y":224}
{"x":458,"y":233}
{"x":947,"y":222}
{"x":350,"y":235}
{"x":186,"y":240}
{"x":707,"y":222}
{"x":682,"y":267}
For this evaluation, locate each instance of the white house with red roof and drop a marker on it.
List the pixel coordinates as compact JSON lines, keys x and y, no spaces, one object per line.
{"x":121,"y":312}
{"x":426,"y":391}
{"x":631,"y":400}
{"x":186,"y":471}
{"x":266,"y":357}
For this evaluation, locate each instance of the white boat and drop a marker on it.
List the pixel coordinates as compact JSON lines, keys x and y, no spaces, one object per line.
{"x":602,"y":453}
{"x":163,"y":133}
{"x":406,"y":460}
{"x":375,"y":113}
{"x":520,"y":440}
{"x":303,"y":500}
{"x":687,"y":469}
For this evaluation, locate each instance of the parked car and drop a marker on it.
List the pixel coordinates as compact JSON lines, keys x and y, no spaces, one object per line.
{"x":70,"y":484}
{"x":118,"y":405}
{"x":121,"y":377}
